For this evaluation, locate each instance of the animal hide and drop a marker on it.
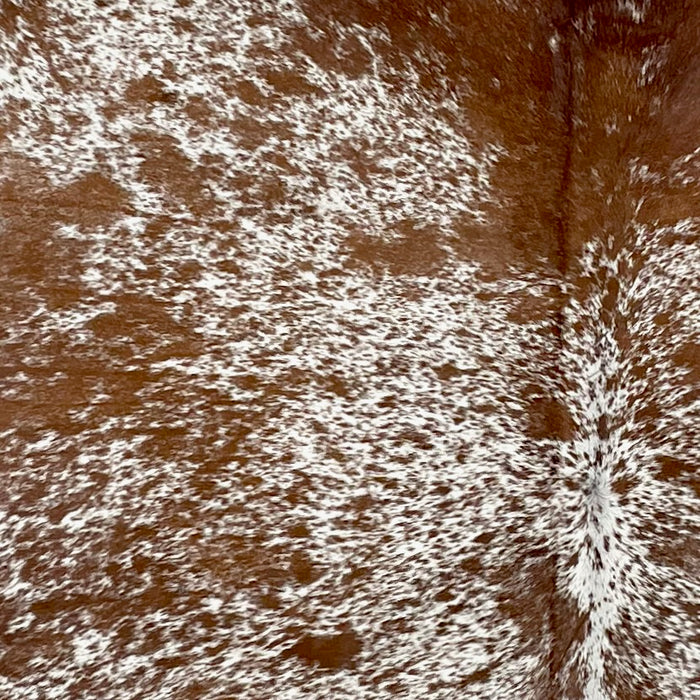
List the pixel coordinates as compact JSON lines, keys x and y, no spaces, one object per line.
{"x":349,"y":349}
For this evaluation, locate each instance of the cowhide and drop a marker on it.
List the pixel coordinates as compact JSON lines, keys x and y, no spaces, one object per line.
{"x":349,"y":349}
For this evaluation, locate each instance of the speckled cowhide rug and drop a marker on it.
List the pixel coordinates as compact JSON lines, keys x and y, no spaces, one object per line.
{"x":350,"y":349}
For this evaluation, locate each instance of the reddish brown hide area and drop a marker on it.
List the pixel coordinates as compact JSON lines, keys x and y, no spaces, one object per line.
{"x":546,"y":81}
{"x":319,"y":445}
{"x":635,"y":90}
{"x":495,"y":61}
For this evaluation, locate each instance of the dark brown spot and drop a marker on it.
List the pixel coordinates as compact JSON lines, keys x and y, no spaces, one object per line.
{"x":673,"y":468}
{"x":290,"y":82}
{"x":328,"y":651}
{"x":444,"y":595}
{"x":249,"y":92}
{"x":447,"y":371}
{"x":548,"y":419}
{"x":476,"y":677}
{"x":471,"y":565}
{"x":270,"y":601}
{"x":171,"y":662}
{"x":303,"y":569}
{"x":149,"y":89}
{"x":299,"y":530}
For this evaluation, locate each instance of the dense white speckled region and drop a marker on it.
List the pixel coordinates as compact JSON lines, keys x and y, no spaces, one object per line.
{"x":349,"y":350}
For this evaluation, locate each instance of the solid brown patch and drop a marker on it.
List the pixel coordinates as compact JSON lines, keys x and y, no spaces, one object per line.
{"x":149,"y":89}
{"x":290,"y":82}
{"x":249,"y":92}
{"x":476,"y":677}
{"x":302,"y":568}
{"x":667,"y":205}
{"x":672,"y":468}
{"x":414,"y":252}
{"x":447,"y":371}
{"x":471,"y":565}
{"x":9,"y":12}
{"x":140,"y":318}
{"x":33,"y":13}
{"x":93,"y":199}
{"x":198,"y":110}
{"x":166,"y":168}
{"x":327,"y":651}
{"x":688,"y":355}
{"x":30,"y":651}
{"x":32,"y":251}
{"x":548,"y":418}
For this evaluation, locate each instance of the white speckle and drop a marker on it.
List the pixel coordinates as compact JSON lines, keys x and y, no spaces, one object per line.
{"x":213,"y":604}
{"x":89,"y":646}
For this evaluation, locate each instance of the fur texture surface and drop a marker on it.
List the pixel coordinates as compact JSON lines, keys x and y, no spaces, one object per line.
{"x":350,"y":349}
